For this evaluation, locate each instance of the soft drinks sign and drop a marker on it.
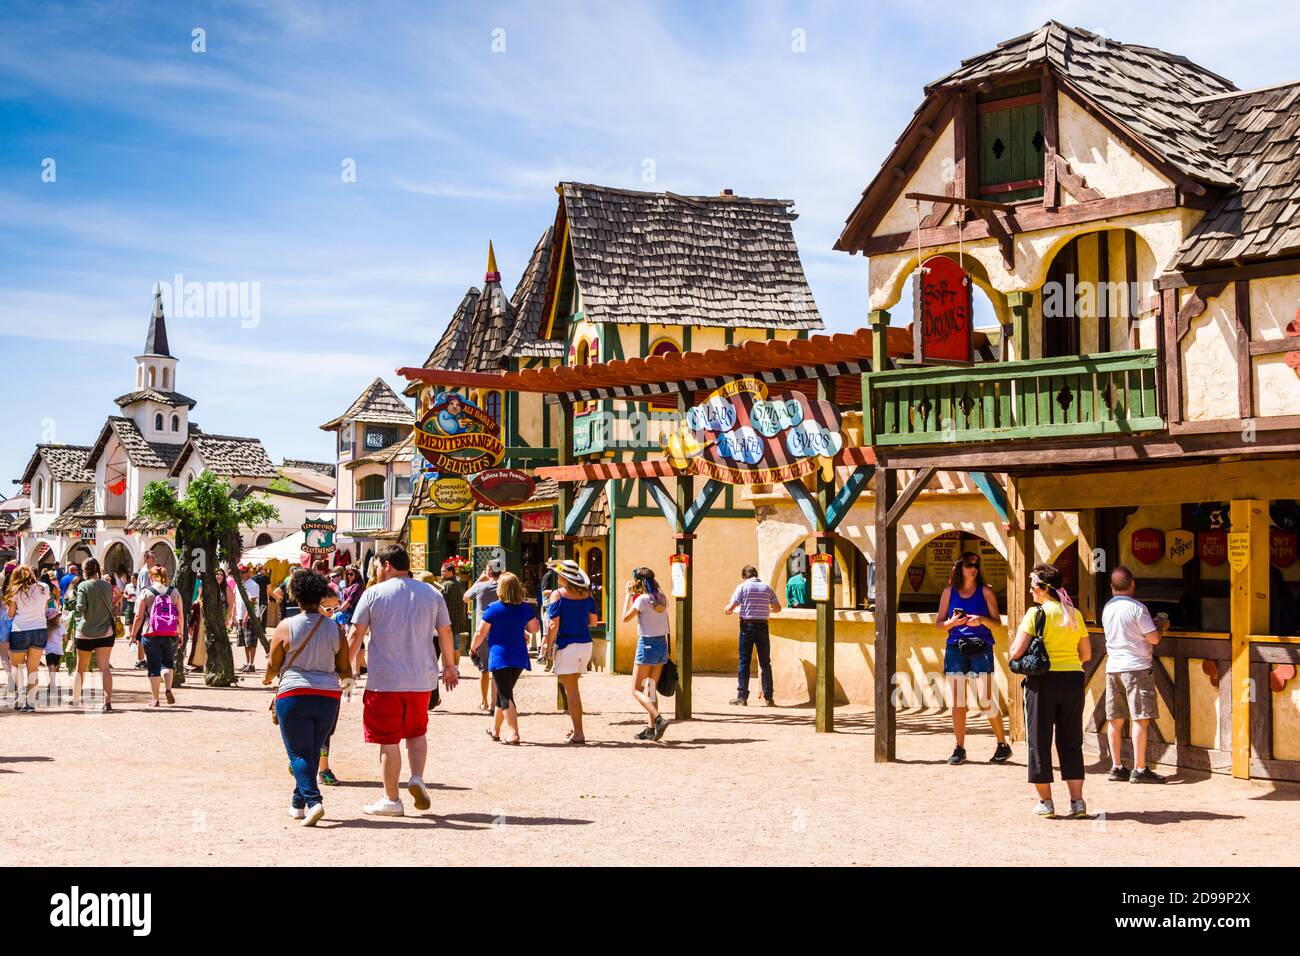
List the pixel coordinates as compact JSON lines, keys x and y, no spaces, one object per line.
{"x":1281,"y":548}
{"x":943,"y":328}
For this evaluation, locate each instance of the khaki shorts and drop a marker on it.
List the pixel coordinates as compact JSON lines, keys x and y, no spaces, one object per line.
{"x":572,"y":659}
{"x":1132,"y":694}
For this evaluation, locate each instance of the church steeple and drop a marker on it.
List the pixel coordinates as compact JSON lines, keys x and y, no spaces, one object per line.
{"x":155,"y":342}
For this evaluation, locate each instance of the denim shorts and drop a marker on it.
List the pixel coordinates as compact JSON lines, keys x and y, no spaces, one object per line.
{"x":955,"y":662}
{"x":20,"y":641}
{"x":651,"y":650}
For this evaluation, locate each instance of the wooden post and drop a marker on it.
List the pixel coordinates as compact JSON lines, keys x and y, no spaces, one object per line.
{"x":1089,"y":596}
{"x":825,"y":609}
{"x":1020,"y":562}
{"x":684,"y":606}
{"x":1248,"y":615}
{"x":879,"y":320}
{"x":886,"y":643}
{"x":1020,"y":303}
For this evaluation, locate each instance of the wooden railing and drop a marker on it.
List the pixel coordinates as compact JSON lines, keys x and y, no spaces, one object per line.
{"x":996,"y":401}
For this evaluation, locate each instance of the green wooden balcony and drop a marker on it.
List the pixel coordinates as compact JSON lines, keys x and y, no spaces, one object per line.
{"x":1069,"y":397}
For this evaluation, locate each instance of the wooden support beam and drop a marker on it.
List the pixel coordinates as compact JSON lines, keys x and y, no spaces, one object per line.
{"x":666,"y":502}
{"x":962,"y":201}
{"x":1073,"y":183}
{"x":807,"y":504}
{"x":1245,"y":369}
{"x":583,"y":502}
{"x":1103,"y":286}
{"x":1051,"y":140}
{"x":1248,"y":614}
{"x":886,"y":618}
{"x":1131,"y":307}
{"x":1020,"y":561}
{"x":1020,"y":303}
{"x":1171,"y":357}
{"x":684,"y":607}
{"x":1268,"y":269}
{"x":1193,"y":306}
{"x":825,"y":694}
{"x":700,"y":506}
{"x":1090,"y":577}
{"x":847,"y":496}
{"x":1288,"y":343}
{"x":999,"y":231}
{"x":879,"y":320}
{"x":914,"y":487}
{"x":1261,"y":714}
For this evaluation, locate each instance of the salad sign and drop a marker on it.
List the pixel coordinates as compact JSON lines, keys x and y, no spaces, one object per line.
{"x":740,"y":436}
{"x":456,"y":437}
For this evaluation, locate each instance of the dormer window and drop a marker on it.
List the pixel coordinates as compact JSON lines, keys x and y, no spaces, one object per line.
{"x":1011,"y":144}
{"x":158,"y":422}
{"x":176,"y":423}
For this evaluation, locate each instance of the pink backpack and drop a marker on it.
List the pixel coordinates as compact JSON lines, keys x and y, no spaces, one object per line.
{"x":164,"y":619}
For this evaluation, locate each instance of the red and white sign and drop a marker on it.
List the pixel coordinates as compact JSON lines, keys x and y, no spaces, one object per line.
{"x":1281,"y":547}
{"x":943,"y":327}
{"x":1212,"y":547}
{"x":819,"y":566}
{"x":542,"y":520}
{"x":1148,"y":545}
{"x":677,"y":565}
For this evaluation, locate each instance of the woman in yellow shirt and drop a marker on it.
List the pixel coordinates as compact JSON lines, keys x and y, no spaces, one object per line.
{"x":1054,"y":701}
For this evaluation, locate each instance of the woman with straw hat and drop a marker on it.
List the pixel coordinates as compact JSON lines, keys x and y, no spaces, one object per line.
{"x":572,"y":612}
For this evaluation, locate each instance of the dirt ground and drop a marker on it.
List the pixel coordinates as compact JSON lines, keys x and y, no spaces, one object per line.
{"x":205,"y":782}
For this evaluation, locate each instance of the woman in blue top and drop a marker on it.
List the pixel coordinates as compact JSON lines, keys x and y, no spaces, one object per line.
{"x":505,"y":625}
{"x":571,"y":613}
{"x":968,"y":609}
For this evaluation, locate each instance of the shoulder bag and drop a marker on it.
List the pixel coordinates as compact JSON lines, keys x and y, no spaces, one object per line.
{"x":1035,"y":660}
{"x":667,"y":683}
{"x":288,"y":662}
{"x":118,"y":629}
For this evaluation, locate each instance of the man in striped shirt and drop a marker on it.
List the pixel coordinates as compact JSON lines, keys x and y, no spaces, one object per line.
{"x":755,"y":601}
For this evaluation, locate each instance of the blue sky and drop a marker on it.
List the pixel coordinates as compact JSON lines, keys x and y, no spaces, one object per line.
{"x":225,"y":166}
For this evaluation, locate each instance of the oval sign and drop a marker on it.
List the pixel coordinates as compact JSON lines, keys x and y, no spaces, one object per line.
{"x":502,"y":487}
{"x":1148,"y":545}
{"x":450,"y":494}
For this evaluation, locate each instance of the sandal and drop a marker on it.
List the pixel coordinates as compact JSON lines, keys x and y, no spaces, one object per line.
{"x":576,"y":741}
{"x":492,"y":735}
{"x":511,"y":743}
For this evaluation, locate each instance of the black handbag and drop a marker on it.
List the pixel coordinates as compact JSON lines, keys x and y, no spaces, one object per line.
{"x":1034,"y":660}
{"x":667,"y":683}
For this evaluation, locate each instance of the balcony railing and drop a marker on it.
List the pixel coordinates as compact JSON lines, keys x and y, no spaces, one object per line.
{"x":370,"y":516}
{"x":1075,"y":396}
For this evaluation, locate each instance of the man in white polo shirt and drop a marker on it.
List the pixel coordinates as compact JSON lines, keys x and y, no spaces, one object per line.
{"x":1131,"y":638}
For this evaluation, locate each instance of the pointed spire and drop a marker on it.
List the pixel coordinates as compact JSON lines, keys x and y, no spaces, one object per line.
{"x":155,"y":342}
{"x":492,"y":274}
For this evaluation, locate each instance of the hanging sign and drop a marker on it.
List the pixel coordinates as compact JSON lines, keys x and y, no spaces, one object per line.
{"x":943,"y":327}
{"x":417,"y":545}
{"x":1148,"y":545}
{"x":451,"y":493}
{"x":1180,"y":546}
{"x":9,"y":541}
{"x":916,"y":575}
{"x":820,"y":584}
{"x":1281,"y":548}
{"x":739,"y":436}
{"x":1212,"y":547}
{"x":502,"y":487}
{"x":1238,"y":550}
{"x":677,"y":565}
{"x":540,"y":520}
{"x":457,"y":437}
{"x":318,"y":536}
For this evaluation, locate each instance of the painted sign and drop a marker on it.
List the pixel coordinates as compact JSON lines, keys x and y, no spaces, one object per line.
{"x":1281,"y":548}
{"x":541,"y":520}
{"x":451,"y":493}
{"x":740,"y":436}
{"x":916,"y":575}
{"x":1148,"y":545}
{"x":1238,"y":550}
{"x":677,"y":565}
{"x":502,"y":487}
{"x":943,"y":328}
{"x":457,"y":437}
{"x":9,"y":541}
{"x":820,"y":585}
{"x":1180,"y":546}
{"x":1212,"y":547}
{"x":318,"y":536}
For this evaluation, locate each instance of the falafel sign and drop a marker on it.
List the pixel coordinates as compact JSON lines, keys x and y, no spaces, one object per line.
{"x":457,"y":437}
{"x":740,"y":436}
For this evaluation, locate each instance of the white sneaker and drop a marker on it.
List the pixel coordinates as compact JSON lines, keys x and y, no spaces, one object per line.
{"x":297,"y":813}
{"x":383,"y":807}
{"x":419,"y":793}
{"x":1078,"y":809}
{"x":314,"y":815}
{"x":1044,"y":808}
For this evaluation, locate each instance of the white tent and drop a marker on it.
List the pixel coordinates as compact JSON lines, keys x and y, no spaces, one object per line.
{"x":286,"y":549}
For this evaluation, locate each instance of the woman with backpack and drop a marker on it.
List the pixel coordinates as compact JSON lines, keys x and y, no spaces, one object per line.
{"x":1054,"y":698}
{"x":93,"y":619}
{"x":968,"y":610}
{"x":158,"y":620}
{"x":647,"y":601}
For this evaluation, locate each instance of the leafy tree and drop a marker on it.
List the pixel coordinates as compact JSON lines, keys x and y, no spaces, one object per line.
{"x":209,"y":527}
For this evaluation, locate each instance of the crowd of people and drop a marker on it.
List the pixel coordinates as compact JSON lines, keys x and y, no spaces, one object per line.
{"x":323,"y":628}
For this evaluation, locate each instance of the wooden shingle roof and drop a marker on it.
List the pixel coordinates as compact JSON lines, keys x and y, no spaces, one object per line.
{"x":1148,"y":91}
{"x":173,"y":399}
{"x":453,"y":345}
{"x":377,"y":405}
{"x":1257,"y":132}
{"x":141,"y":453}
{"x":65,"y":462}
{"x":76,"y":515}
{"x":227,"y":456}
{"x":529,"y":306}
{"x":324,"y":467}
{"x":661,"y":258}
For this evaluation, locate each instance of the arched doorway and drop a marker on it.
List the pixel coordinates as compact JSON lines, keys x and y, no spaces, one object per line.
{"x":77,"y":554}
{"x":117,"y":560}
{"x":1089,"y":301}
{"x":922,"y":582}
{"x":852,"y":576}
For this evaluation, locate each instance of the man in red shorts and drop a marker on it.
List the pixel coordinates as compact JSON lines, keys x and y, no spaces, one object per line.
{"x":403,"y":618}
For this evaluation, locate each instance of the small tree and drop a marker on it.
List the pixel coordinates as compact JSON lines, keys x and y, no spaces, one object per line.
{"x":209,"y":527}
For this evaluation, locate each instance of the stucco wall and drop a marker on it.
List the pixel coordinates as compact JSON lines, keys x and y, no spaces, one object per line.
{"x":932,"y":176}
{"x":1105,"y":163}
{"x":1209,"y":362}
{"x":1274,"y":304}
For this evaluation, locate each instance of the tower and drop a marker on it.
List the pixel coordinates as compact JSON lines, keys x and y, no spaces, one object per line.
{"x":156,"y":367}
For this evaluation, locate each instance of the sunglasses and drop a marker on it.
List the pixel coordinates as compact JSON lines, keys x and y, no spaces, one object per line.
{"x":971,"y":564}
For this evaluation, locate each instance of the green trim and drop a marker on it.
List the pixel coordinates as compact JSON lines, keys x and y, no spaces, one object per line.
{"x":612,"y":346}
{"x":728,"y":336}
{"x":645,"y":340}
{"x":686,"y":338}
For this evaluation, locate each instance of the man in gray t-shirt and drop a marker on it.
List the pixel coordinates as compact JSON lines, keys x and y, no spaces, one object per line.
{"x":401,"y":615}
{"x":480,"y":596}
{"x":1131,"y":637}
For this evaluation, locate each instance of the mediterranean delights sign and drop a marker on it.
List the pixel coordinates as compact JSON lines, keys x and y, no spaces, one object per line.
{"x":740,"y":436}
{"x":457,"y":437}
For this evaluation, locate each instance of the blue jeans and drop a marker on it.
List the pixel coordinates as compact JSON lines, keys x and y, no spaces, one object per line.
{"x":753,"y":636}
{"x":306,"y":721}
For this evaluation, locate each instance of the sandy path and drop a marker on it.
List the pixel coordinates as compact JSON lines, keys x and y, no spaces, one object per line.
{"x":206,"y":782}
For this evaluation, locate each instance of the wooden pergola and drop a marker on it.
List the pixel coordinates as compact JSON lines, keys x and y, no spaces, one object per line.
{"x":826,"y":367}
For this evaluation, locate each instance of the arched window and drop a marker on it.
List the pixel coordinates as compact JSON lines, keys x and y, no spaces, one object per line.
{"x":371,"y":488}
{"x":158,"y":421}
{"x":664,"y":347}
{"x":263,"y":539}
{"x":152,"y":374}
{"x":176,"y":423}
{"x":49,"y":495}
{"x":139,"y":376}
{"x":167,"y":379}
{"x":492,"y":405}
{"x":39,"y":498}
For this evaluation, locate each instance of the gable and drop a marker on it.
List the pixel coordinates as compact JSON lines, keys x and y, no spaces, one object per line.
{"x":1099,"y":157}
{"x":934,"y":175}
